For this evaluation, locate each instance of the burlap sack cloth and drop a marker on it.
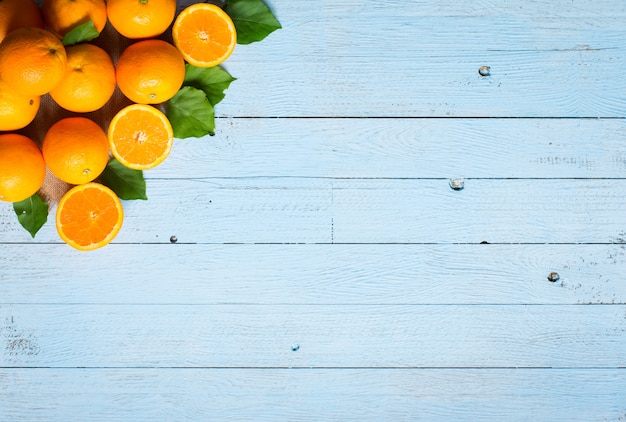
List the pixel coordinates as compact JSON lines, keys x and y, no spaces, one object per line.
{"x":49,"y":112}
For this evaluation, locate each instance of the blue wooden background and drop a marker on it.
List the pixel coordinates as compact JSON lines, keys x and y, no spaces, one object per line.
{"x":324,"y":269}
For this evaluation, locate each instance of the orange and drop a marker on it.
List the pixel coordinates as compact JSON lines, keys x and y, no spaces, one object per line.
{"x":89,"y":80}
{"x":16,"y":110}
{"x":150,"y":71}
{"x":204,"y":34}
{"x":141,"y":18}
{"x":76,"y":150}
{"x":89,"y":216}
{"x":32,"y":60}
{"x":18,"y":14}
{"x":61,"y":16}
{"x":140,"y":136}
{"x":22,"y":168}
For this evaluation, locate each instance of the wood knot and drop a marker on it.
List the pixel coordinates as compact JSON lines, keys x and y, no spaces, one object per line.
{"x":457,"y":183}
{"x":553,"y":277}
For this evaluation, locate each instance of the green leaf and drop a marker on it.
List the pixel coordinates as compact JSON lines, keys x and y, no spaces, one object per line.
{"x":85,"y":32}
{"x":126,"y":183}
{"x":190,"y":113}
{"x":212,"y":80}
{"x":32,"y":213}
{"x":252,"y":18}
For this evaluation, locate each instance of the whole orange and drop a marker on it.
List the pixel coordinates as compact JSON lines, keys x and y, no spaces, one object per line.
{"x":18,"y":14}
{"x":89,"y":80}
{"x":32,"y":60}
{"x":141,"y":18}
{"x":22,"y":167}
{"x":16,"y":110}
{"x":61,"y":16}
{"x":150,"y":71}
{"x":76,"y":150}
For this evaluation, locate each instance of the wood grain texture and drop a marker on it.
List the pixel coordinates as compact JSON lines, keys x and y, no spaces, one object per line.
{"x":407,"y":58}
{"x":402,"y":148}
{"x":324,"y":269}
{"x":204,"y":210}
{"x":50,"y":395}
{"x":304,"y":210}
{"x":314,"y":274}
{"x":496,"y":211}
{"x":369,"y":336}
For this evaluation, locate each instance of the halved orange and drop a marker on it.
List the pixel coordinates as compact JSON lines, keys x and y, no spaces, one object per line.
{"x":204,"y":34}
{"x":140,"y":136}
{"x":89,"y":216}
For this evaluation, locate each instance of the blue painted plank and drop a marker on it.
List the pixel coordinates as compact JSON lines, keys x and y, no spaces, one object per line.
{"x":338,"y":336}
{"x":411,"y":58}
{"x":402,"y":148}
{"x":188,"y":274}
{"x":304,"y":210}
{"x":557,"y":395}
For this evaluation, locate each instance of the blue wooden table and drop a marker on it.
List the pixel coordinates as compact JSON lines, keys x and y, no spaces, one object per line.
{"x":324,"y":267}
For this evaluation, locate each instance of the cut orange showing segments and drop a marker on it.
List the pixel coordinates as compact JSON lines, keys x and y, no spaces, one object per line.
{"x":89,"y":216}
{"x":204,"y":34}
{"x":140,"y":136}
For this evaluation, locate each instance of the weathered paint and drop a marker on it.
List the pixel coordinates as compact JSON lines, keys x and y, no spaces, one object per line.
{"x":319,"y":266}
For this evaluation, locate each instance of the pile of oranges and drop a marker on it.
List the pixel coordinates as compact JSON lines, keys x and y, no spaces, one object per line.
{"x":82,"y":79}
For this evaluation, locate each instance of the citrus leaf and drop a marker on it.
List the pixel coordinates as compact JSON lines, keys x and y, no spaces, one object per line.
{"x":252,"y":18}
{"x":125,"y":182}
{"x":85,"y":32}
{"x":212,"y":80}
{"x":190,"y":113}
{"x":32,"y":213}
